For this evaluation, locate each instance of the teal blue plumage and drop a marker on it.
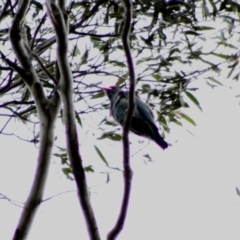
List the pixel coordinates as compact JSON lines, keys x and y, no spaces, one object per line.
{"x":142,"y":122}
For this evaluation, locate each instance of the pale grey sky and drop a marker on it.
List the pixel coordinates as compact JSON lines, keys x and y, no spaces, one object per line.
{"x":188,"y":192}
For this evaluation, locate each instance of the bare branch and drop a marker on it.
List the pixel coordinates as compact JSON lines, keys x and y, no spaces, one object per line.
{"x":46,"y":44}
{"x":18,"y":44}
{"x":5,"y":125}
{"x":58,"y":194}
{"x":4,"y":9}
{"x":65,"y":90}
{"x":88,"y":14}
{"x":126,"y":151}
{"x":16,"y":203}
{"x":37,"y":29}
{"x":14,"y":66}
{"x":47,"y":113}
{"x":35,"y":56}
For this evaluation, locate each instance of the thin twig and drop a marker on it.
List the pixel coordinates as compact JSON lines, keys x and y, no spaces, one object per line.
{"x":46,"y":44}
{"x":43,"y":19}
{"x":35,"y":56}
{"x":5,"y":125}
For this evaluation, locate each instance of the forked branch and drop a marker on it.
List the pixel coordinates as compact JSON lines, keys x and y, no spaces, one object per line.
{"x":47,"y":112}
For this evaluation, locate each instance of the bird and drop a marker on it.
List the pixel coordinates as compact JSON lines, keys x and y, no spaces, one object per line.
{"x":142,"y":122}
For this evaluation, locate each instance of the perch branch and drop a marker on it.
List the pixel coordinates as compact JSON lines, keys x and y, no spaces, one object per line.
{"x":127,"y":174}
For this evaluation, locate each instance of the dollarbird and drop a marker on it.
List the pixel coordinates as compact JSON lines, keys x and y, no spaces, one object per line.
{"x":142,"y":122}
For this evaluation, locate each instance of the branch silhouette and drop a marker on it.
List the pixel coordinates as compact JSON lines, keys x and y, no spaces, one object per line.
{"x":127,"y":174}
{"x":47,"y":110}
{"x":58,"y":16}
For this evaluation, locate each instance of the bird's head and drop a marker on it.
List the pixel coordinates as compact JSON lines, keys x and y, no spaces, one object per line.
{"x":111,"y":91}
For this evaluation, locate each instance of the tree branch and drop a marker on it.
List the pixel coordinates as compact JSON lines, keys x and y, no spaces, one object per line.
{"x":65,"y":89}
{"x":126,"y":151}
{"x":47,"y":113}
{"x":37,"y":29}
{"x":87,"y":14}
{"x":46,"y":44}
{"x":14,"y":66}
{"x":4,"y":9}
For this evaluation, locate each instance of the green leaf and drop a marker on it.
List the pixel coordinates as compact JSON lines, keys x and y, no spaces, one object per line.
{"x":174,"y":118}
{"x":227,"y":45}
{"x":193,"y":99}
{"x":146,"y":88}
{"x":89,"y":169}
{"x":203,"y":28}
{"x":186,"y":117}
{"x":236,"y":77}
{"x":192,"y":33}
{"x":174,"y":50}
{"x":178,"y":104}
{"x":115,"y":168}
{"x":108,"y":178}
{"x":223,"y":56}
{"x":211,"y":85}
{"x":63,"y":157}
{"x":111,"y":123}
{"x":98,"y":95}
{"x":68,"y":172}
{"x":101,"y":155}
{"x":215,"y":81}
{"x":112,"y":136}
{"x":120,"y":81}
{"x":78,"y":118}
{"x":76,"y":51}
{"x":84,"y":57}
{"x":156,"y":76}
{"x":233,"y":66}
{"x":176,"y":122}
{"x":148,"y":157}
{"x":118,"y":64}
{"x":139,"y":62}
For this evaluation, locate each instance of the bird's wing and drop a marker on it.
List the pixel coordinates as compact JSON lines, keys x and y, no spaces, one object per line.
{"x":119,"y":106}
{"x":144,"y":110}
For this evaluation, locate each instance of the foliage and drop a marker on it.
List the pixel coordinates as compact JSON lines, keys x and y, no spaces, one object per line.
{"x":173,"y":43}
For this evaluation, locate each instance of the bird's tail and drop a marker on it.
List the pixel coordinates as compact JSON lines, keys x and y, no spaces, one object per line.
{"x":161,"y":142}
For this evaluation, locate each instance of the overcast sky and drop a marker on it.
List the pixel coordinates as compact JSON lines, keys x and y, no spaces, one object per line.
{"x":187,"y":192}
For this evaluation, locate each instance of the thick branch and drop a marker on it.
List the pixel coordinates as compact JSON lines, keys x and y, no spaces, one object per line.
{"x":47,"y":113}
{"x":126,"y":151}
{"x":66,"y":92}
{"x":16,"y":32}
{"x":36,"y":193}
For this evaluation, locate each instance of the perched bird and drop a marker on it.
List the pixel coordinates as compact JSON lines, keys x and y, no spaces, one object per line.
{"x":142,"y":122}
